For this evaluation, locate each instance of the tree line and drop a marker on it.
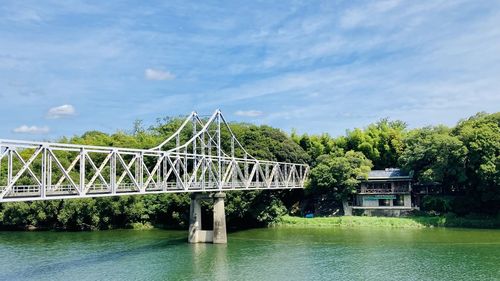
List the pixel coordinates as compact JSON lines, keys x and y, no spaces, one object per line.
{"x":463,"y":160}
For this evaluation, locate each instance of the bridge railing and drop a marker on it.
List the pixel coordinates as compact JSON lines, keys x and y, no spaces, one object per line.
{"x":42,"y":170}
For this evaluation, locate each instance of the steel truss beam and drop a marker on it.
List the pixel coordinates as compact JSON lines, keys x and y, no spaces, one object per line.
{"x":42,"y":170}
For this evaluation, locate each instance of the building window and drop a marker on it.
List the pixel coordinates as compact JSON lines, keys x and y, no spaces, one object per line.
{"x":398,"y":201}
{"x":401,"y":186}
{"x":384,"y":202}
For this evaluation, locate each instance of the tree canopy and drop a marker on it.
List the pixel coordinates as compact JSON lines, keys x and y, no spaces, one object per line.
{"x":436,"y":156}
{"x":339,"y":174}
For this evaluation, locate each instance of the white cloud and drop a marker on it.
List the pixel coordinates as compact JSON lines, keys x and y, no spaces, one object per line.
{"x":24,"y":15}
{"x":24,"y":129}
{"x":366,"y":14}
{"x":62,"y":111}
{"x":156,"y":74}
{"x":249,"y":113}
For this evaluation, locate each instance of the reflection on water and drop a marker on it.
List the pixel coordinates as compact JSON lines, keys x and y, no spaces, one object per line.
{"x":259,"y":254}
{"x":210,"y":261}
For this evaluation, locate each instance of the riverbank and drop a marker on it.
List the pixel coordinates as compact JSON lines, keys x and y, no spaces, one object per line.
{"x":324,"y":222}
{"x":388,"y":222}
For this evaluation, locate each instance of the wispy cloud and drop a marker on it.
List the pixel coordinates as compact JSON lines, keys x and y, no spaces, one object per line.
{"x":249,"y":113}
{"x":23,"y":15}
{"x":25,"y":129}
{"x":364,"y":13}
{"x":156,"y":74}
{"x":62,"y":111}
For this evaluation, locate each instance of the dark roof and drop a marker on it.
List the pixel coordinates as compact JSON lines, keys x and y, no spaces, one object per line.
{"x":389,"y":173}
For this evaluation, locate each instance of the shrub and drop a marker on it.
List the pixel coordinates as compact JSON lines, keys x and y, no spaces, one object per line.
{"x":438,"y":204}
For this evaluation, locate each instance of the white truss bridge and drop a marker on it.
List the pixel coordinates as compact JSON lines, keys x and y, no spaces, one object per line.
{"x":202,"y":155}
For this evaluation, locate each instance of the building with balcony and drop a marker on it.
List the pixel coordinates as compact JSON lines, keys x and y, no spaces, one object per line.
{"x":385,"y":193}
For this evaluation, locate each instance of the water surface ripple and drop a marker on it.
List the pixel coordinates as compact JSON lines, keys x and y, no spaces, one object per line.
{"x":258,"y":254}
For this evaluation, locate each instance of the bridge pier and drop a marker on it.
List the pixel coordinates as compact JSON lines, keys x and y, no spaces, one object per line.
{"x":219,"y":232}
{"x":196,"y":233}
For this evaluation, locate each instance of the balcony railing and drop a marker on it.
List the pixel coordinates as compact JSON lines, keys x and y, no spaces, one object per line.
{"x":383,"y":190}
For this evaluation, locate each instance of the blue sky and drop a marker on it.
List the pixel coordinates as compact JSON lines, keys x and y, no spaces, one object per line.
{"x":317,"y":66}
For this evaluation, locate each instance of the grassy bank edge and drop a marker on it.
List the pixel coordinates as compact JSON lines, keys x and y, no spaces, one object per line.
{"x":390,"y":222}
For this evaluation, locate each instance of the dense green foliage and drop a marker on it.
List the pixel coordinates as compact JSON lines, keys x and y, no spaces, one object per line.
{"x":481,"y":136}
{"x":339,"y":174}
{"x":436,"y":156}
{"x":464,"y":160}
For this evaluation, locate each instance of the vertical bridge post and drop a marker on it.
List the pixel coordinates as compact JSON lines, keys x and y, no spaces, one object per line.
{"x":219,"y":234}
{"x":194,"y":218}
{"x":196,"y":233}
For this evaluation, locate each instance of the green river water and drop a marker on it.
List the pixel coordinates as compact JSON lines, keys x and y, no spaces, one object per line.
{"x":258,"y":254}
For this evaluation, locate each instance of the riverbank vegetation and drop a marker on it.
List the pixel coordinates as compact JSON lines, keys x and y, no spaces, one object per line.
{"x":463,"y":161}
{"x":388,"y":222}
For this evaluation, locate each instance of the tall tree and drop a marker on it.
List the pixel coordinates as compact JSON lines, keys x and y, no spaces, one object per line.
{"x":381,"y":142}
{"x":436,"y":156}
{"x":339,"y":174}
{"x":481,"y":135}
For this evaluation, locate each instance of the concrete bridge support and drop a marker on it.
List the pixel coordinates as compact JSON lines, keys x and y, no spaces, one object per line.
{"x":196,"y":233}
